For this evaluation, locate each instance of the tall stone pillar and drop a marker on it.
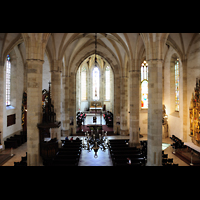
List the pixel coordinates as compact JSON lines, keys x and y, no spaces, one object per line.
{"x":56,"y":99}
{"x":116,"y":113}
{"x":65,"y":106}
{"x":134,"y":108}
{"x":154,"y":147}
{"x":123,"y":105}
{"x":34,"y":110}
{"x":72,"y":102}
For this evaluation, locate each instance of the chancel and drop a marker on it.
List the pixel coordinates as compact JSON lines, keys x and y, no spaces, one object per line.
{"x":129,"y":99}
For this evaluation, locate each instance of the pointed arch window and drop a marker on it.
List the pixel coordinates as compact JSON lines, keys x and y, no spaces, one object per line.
{"x":144,"y":85}
{"x":96,"y":83}
{"x":83,"y":83}
{"x":177,"y":85}
{"x":107,"y":83}
{"x":8,"y":80}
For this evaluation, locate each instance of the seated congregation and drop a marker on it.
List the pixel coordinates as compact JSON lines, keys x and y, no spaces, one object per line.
{"x":108,"y":116}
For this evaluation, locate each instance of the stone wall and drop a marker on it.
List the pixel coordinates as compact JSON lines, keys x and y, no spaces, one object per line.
{"x":17,"y":89}
{"x":176,"y":120}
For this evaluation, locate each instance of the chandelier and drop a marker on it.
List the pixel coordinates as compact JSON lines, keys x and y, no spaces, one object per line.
{"x":95,"y":142}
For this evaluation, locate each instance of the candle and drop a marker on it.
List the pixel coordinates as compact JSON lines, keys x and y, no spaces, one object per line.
{"x":93,"y":136}
{"x":85,"y":134}
{"x":100,"y":136}
{"x":95,"y":144}
{"x":102,"y":132}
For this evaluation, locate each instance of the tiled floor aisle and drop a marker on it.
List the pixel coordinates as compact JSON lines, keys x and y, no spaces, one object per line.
{"x":87,"y":159}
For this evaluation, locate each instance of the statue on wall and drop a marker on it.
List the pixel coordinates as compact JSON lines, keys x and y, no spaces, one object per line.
{"x":164,"y":122}
{"x":165,"y":116}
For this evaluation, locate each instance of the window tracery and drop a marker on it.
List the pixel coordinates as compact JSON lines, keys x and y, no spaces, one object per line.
{"x":144,"y":85}
{"x":8,"y":80}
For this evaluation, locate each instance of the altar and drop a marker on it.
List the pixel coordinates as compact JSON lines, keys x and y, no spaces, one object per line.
{"x":95,"y":106}
{"x":95,"y":109}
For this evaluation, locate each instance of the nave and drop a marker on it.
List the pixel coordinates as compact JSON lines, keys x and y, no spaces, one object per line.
{"x":87,"y":159}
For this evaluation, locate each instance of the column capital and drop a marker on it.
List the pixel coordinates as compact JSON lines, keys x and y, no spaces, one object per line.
{"x":65,"y":76}
{"x":154,"y":61}
{"x":55,"y":71}
{"x":34,"y":61}
{"x":123,"y":77}
{"x":56,"y":66}
{"x":134,"y":71}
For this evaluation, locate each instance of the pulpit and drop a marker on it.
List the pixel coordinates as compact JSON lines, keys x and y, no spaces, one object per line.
{"x":50,"y":148}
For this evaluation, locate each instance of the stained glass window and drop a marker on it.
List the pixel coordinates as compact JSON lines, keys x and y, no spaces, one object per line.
{"x":96,"y":83}
{"x":107,"y":83}
{"x":83,"y":83}
{"x":144,"y":85}
{"x":177,"y":85}
{"x":8,"y":73}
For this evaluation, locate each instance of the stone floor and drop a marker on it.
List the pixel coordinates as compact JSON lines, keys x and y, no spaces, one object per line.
{"x":87,"y":158}
{"x":18,"y":153}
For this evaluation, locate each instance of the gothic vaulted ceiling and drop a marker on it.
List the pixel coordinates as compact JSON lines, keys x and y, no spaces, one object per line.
{"x":116,"y":48}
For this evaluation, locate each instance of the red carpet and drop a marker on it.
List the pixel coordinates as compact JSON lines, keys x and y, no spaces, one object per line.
{"x":81,"y":130}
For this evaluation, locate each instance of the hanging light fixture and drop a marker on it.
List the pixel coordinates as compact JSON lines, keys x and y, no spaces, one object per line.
{"x":95,"y":52}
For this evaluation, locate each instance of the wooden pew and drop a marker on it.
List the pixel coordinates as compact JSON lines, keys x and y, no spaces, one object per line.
{"x":124,"y":161}
{"x":118,"y":141}
{"x":65,"y":162}
{"x":67,"y":155}
{"x":120,"y":151}
{"x":124,"y":151}
{"x":127,"y":165}
{"x":10,"y":143}
{"x":23,"y":161}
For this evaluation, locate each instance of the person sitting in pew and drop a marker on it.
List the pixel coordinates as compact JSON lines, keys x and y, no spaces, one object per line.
{"x":67,"y":138}
{"x":71,"y":139}
{"x":129,"y":161}
{"x":77,"y":138}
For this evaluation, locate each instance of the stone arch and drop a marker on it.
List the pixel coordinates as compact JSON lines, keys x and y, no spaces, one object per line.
{"x":18,"y":40}
{"x":115,"y":68}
